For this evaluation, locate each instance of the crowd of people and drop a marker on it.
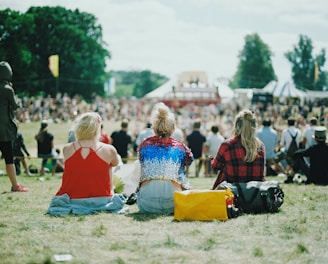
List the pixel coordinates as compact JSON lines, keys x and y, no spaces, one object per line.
{"x":224,"y":140}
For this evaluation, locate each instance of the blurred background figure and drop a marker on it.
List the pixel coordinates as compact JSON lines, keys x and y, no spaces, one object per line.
{"x":213,"y":142}
{"x":104,"y":137}
{"x":20,"y":150}
{"x":45,"y":143}
{"x":147,"y":132}
{"x":121,"y":140}
{"x":196,"y":142}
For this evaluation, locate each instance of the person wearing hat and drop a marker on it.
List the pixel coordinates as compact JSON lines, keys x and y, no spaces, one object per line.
{"x":317,"y":172}
{"x":8,"y":127}
{"x":45,"y":142}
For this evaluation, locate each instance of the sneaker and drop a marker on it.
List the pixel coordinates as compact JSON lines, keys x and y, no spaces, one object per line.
{"x":27,"y":173}
{"x":19,"y":188}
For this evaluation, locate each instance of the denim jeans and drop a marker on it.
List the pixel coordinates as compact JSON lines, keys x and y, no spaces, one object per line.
{"x":157,"y":197}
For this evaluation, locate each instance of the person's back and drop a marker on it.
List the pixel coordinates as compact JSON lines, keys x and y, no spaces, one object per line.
{"x":318,"y":154}
{"x":145,"y":133}
{"x":87,"y":181}
{"x":121,"y":140}
{"x":196,"y":140}
{"x":214,"y":141}
{"x":86,"y":174}
{"x":308,"y":133}
{"x":241,"y":157}
{"x":163,"y":161}
{"x":269,"y":137}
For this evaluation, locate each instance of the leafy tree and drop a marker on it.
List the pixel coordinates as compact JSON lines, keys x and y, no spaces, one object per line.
{"x":15,"y":30}
{"x":144,"y":84}
{"x":77,"y":38}
{"x":305,"y":65}
{"x":255,"y":66}
{"x":136,"y":83}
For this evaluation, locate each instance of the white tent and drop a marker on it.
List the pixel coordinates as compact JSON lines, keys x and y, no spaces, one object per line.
{"x":162,"y":90}
{"x":271,"y":87}
{"x":225,"y":91}
{"x":288,"y":89}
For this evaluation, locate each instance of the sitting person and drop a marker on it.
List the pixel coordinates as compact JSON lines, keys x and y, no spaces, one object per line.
{"x":87,"y":181}
{"x":241,"y":158}
{"x":163,"y":163}
{"x":317,"y":171}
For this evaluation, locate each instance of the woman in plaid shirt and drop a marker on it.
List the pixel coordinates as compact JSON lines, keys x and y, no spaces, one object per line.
{"x":241,"y":158}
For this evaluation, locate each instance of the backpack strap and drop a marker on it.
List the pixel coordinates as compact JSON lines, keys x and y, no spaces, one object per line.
{"x":293,"y":137}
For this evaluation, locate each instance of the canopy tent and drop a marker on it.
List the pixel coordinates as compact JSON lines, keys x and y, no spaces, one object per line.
{"x":225,"y":91}
{"x":162,"y":90}
{"x":288,"y":89}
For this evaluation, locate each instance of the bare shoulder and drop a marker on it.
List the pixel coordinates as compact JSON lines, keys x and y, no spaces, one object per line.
{"x":68,"y":150}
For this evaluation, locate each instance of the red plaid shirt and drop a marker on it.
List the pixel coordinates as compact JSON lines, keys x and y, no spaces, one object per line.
{"x":233,"y":168}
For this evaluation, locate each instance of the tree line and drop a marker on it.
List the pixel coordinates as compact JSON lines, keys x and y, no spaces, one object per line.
{"x":27,"y":40}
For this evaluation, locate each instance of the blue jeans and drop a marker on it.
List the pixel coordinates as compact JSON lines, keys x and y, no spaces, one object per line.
{"x":157,"y":197}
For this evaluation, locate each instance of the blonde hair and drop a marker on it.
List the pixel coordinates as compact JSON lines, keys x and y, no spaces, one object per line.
{"x":245,"y":127}
{"x":163,"y":120}
{"x":87,"y":126}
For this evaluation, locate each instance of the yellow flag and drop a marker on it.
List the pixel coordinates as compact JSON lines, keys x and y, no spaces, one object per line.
{"x":54,"y":65}
{"x":316,"y":71}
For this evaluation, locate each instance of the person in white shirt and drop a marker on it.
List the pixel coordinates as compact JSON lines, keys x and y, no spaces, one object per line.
{"x":213,"y":141}
{"x":286,"y":140}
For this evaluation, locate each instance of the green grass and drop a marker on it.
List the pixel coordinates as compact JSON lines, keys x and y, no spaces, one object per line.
{"x":296,"y":234}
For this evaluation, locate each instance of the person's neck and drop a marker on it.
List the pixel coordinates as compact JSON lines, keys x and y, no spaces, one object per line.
{"x":87,"y":142}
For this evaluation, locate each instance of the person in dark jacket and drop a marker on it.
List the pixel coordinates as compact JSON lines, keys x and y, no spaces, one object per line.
{"x":45,"y":142}
{"x":317,"y":171}
{"x":20,"y":150}
{"x":121,"y":140}
{"x":8,"y":128}
{"x":196,"y":141}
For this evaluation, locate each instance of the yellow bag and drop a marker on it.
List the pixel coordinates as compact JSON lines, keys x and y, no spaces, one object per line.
{"x":203,"y":205}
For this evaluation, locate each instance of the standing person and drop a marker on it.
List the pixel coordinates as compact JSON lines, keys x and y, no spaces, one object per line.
{"x":45,"y":142}
{"x":121,"y":140}
{"x":104,"y":138}
{"x":163,"y":161}
{"x":213,"y":142}
{"x":196,"y":142}
{"x":87,"y":184}
{"x":19,"y":149}
{"x":147,"y":132}
{"x":308,"y":134}
{"x":317,"y":171}
{"x":8,"y":128}
{"x":241,"y":158}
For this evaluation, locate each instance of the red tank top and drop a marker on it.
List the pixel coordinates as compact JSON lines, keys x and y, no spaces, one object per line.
{"x":85,"y":177}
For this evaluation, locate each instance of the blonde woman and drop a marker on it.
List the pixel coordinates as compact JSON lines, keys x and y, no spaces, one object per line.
{"x":163,"y":163}
{"x":87,"y":179}
{"x":241,"y":158}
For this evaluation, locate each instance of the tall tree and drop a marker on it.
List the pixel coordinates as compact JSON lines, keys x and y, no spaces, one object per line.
{"x":147,"y":82}
{"x":306,"y":68}
{"x":77,"y":38}
{"x":15,"y":30}
{"x":255,"y":66}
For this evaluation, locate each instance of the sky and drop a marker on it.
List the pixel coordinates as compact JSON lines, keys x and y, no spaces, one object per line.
{"x":172,"y":36}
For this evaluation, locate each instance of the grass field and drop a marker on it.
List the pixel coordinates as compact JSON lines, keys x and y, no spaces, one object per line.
{"x":296,"y":234}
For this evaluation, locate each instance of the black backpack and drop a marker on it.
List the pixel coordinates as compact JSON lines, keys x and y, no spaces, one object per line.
{"x":293,"y":145}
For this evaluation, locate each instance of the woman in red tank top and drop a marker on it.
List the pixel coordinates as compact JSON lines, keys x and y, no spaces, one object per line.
{"x":87,"y":178}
